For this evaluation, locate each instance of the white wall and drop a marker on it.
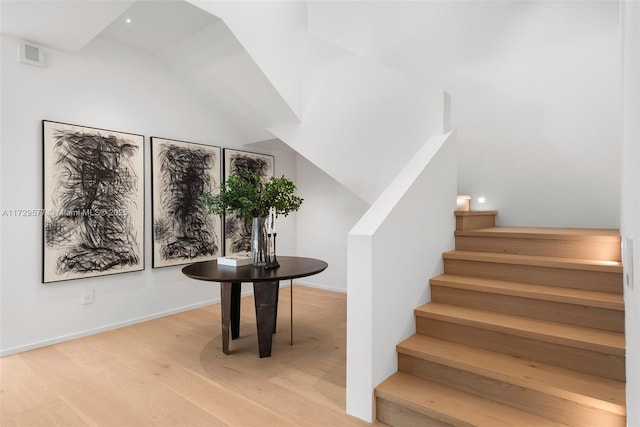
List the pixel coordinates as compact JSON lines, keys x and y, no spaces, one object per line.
{"x":328,"y":213}
{"x":535,"y":89}
{"x":110,"y":87}
{"x":393,"y":251}
{"x":631,"y":199}
{"x":363,"y":121}
{"x":539,"y":124}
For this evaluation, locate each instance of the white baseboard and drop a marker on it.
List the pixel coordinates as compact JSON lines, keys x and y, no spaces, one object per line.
{"x":319,"y":286}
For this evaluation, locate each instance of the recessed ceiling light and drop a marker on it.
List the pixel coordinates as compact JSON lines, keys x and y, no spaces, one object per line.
{"x":128,"y":20}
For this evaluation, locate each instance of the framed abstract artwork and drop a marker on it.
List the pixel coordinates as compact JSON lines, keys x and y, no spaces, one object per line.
{"x":93,"y":200}
{"x":183,"y":230}
{"x":237,"y":231}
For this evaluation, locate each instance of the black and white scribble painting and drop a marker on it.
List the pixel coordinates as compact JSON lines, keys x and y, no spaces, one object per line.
{"x":93,"y":202}
{"x":237,"y":230}
{"x":183,"y":230}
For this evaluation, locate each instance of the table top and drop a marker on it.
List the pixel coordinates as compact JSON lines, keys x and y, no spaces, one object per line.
{"x":291,"y":267}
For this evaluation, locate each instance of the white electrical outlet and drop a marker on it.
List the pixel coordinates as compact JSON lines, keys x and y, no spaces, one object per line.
{"x":627,"y":250}
{"x":87,"y":297}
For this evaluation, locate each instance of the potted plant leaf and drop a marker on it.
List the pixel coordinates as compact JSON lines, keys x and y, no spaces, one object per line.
{"x":251,"y":197}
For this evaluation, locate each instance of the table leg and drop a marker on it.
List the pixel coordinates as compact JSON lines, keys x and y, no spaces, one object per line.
{"x":235,"y":309}
{"x":275,"y":315}
{"x":225,"y":309}
{"x":266,"y":301}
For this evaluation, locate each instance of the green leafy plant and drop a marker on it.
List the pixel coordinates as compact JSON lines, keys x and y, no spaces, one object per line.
{"x":251,"y":197}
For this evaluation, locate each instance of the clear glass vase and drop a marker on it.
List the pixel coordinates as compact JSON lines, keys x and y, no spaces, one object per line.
{"x":259,"y":241}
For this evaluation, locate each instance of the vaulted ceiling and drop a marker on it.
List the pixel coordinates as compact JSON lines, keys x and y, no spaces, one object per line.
{"x":192,"y":43}
{"x":419,"y":38}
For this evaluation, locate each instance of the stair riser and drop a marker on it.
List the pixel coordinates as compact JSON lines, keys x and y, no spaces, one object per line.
{"x":595,"y":249}
{"x":393,"y":414}
{"x":568,"y":278}
{"x":475,"y":222}
{"x":543,"y":404}
{"x":594,"y":317}
{"x":588,"y":361}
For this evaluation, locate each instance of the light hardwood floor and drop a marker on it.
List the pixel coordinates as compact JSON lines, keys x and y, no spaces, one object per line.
{"x":172,"y":372}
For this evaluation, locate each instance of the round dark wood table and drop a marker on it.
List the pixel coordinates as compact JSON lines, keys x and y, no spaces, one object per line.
{"x":266,"y":286}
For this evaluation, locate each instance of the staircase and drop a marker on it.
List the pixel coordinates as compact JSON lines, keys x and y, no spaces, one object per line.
{"x":524,"y":328}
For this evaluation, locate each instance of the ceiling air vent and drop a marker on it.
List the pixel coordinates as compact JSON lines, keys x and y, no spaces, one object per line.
{"x":30,"y":54}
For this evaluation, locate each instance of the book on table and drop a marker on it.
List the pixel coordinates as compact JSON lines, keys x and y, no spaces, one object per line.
{"x":235,"y":260}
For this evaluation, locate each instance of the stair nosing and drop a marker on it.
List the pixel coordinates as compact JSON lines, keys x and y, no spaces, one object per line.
{"x":474,"y":213}
{"x":442,"y":415}
{"x":536,"y":261}
{"x":379,"y":392}
{"x":532,"y":291}
{"x":500,"y":323}
{"x":533,"y":383}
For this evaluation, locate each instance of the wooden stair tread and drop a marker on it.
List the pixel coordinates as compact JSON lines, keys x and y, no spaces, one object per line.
{"x":453,"y":406}
{"x":600,"y":234}
{"x":536,"y":260}
{"x":584,"y":389}
{"x":606,"y":300}
{"x":474,"y":213}
{"x":559,"y":333}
